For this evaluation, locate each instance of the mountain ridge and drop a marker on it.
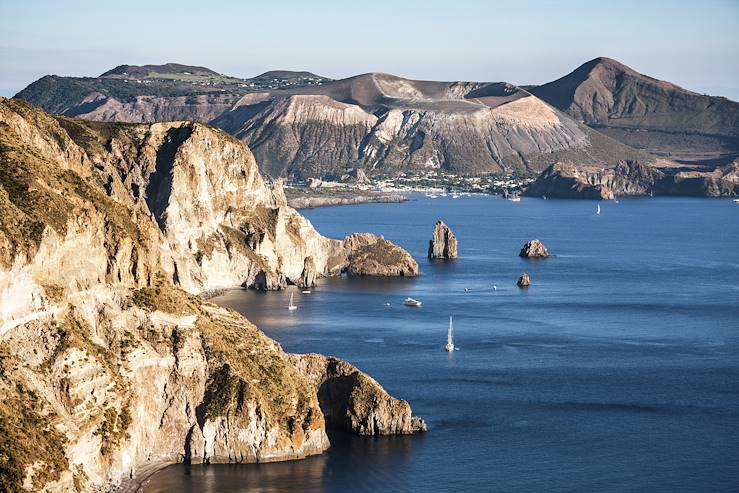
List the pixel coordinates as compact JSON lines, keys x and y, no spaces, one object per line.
{"x":386,"y":124}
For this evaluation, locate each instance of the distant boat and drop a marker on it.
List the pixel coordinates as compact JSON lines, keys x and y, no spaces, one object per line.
{"x":466,"y":289}
{"x":291,"y":306}
{"x":455,"y":196}
{"x":495,"y":288}
{"x":306,"y":291}
{"x":736,"y":201}
{"x":597,"y":211}
{"x":514,"y":197}
{"x":450,"y":338}
{"x":412,"y":302}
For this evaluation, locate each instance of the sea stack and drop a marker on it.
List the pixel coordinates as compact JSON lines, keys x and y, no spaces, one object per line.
{"x":444,"y":243}
{"x":524,"y":281}
{"x":534,"y":249}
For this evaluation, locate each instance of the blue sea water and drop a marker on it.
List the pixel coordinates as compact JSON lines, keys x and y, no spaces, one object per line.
{"x":618,"y":370}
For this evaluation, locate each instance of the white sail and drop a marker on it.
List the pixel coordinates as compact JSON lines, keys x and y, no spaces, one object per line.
{"x":450,"y":338}
{"x":598,"y":210}
{"x":291,"y":306}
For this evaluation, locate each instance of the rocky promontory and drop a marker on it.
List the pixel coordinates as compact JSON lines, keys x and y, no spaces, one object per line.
{"x":534,"y":249}
{"x":355,"y":402}
{"x":635,"y":178}
{"x":110,"y":362}
{"x":568,"y":182}
{"x":443,"y":244}
{"x":370,"y":255}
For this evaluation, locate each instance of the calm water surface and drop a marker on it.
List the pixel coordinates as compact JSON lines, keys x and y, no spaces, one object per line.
{"x":618,"y":370}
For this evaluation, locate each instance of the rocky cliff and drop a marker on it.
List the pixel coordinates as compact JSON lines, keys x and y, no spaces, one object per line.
{"x":634,"y":178}
{"x":110,"y":366}
{"x":443,"y":243}
{"x":353,"y":401}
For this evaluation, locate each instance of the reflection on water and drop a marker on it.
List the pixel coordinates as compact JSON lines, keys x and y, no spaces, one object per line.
{"x":354,"y":464}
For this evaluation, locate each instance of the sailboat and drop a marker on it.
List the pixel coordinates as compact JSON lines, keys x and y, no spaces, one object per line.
{"x":450,"y":338}
{"x":598,"y":210}
{"x":291,"y":306}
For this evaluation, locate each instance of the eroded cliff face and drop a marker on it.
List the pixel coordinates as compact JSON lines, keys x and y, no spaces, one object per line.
{"x":109,"y":365}
{"x":634,"y":178}
{"x":376,"y":122}
{"x":130,"y":381}
{"x":319,"y":135}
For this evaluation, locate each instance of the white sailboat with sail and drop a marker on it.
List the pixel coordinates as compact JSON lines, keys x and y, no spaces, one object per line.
{"x":597,"y":211}
{"x":450,"y":338}
{"x":291,"y":306}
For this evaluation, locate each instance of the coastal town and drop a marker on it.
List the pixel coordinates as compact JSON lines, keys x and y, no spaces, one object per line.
{"x":355,"y":187}
{"x":357,"y":183}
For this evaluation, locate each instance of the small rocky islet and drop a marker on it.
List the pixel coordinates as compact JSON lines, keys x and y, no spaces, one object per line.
{"x":534,"y":249}
{"x":443,"y":243}
{"x":524,"y":281}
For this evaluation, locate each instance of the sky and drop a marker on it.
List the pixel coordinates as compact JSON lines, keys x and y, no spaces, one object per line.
{"x":694,"y":44}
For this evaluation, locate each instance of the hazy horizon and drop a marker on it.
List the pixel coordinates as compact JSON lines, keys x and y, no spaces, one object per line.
{"x":691,"y":45}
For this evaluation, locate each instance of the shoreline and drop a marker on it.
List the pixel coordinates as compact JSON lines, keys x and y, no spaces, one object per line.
{"x":312,"y":201}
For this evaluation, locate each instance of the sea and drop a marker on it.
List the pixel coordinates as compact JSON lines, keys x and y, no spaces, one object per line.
{"x":617,"y":370}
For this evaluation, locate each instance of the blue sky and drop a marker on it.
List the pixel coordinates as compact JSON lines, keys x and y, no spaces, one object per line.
{"x":693,"y":44}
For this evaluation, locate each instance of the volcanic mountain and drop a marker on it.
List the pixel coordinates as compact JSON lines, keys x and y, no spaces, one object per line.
{"x":644,"y":112}
{"x":301,"y":124}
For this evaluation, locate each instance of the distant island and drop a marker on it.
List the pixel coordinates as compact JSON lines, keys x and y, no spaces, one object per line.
{"x":604,"y":125}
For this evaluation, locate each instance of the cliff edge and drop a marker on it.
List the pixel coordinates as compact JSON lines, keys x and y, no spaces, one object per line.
{"x":110,"y":364}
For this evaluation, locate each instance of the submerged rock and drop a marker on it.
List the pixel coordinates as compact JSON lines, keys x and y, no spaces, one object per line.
{"x":534,"y":249}
{"x":370,"y":255}
{"x":353,"y":401}
{"x":444,"y":243}
{"x":524,"y":281}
